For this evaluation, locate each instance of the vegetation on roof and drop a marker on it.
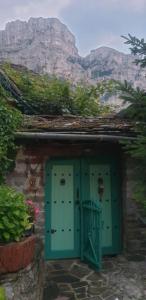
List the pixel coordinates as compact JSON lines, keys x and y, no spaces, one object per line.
{"x":41,"y":94}
{"x":25,"y":92}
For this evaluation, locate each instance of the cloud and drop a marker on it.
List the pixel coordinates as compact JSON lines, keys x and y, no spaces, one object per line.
{"x":39,"y":8}
{"x":136,"y":5}
{"x":23,"y":10}
{"x":112,"y":5}
{"x":102,"y":22}
{"x":110,"y":40}
{"x":113,"y":41}
{"x":133,"y":5}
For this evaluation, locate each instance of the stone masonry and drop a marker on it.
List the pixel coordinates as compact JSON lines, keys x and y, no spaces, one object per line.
{"x":119,"y":279}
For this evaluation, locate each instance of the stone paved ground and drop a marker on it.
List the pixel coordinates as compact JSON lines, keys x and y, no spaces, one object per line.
{"x":121,"y":278}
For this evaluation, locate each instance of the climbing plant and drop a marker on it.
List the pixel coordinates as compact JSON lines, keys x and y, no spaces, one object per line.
{"x":10,"y":120}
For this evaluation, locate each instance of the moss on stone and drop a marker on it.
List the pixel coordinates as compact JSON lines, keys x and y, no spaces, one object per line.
{"x":2,"y":293}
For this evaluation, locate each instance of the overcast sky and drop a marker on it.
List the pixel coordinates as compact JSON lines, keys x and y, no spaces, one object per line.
{"x":94,"y":22}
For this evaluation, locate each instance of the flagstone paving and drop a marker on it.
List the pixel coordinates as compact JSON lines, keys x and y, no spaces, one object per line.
{"x":121,"y":278}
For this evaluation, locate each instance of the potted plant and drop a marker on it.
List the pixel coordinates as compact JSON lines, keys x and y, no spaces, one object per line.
{"x":16,"y":249}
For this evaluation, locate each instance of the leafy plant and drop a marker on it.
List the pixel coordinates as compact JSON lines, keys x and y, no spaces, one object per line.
{"x":86,"y":98}
{"x":14,"y":216}
{"x":10,"y":120}
{"x":138,"y":47}
{"x":50,"y":95}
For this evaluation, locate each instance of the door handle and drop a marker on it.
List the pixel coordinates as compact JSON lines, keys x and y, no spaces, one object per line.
{"x":53,"y":231}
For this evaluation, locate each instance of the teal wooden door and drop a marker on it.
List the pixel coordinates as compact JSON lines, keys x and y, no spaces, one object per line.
{"x":83,"y":209}
{"x":62,"y":209}
{"x":91,"y":248}
{"x":99,"y":172}
{"x":102,"y":188}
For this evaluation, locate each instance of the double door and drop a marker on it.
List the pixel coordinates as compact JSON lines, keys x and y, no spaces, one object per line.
{"x":83,"y":215}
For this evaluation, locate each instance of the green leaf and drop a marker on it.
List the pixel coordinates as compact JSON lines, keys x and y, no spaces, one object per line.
{"x":6,"y":236}
{"x":1,"y":226}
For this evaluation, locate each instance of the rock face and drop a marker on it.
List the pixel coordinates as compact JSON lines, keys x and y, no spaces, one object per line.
{"x":47,"y":46}
{"x":42,"y":45}
{"x":108,"y":63}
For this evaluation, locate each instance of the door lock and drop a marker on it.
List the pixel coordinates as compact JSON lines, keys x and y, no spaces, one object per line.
{"x":53,"y":231}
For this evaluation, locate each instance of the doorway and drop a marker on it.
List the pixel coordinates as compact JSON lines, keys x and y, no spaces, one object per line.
{"x":82,"y":208}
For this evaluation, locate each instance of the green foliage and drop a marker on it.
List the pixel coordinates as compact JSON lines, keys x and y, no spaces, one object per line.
{"x":55,"y":96}
{"x":138,"y":47}
{"x":14,"y":217}
{"x":10,"y":120}
{"x":2,"y":293}
{"x":86,"y":100}
{"x":137,"y":111}
{"x":136,"y":97}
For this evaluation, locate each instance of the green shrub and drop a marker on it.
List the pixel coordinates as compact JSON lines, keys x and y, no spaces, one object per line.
{"x":14,"y":217}
{"x":10,"y":120}
{"x":41,"y":94}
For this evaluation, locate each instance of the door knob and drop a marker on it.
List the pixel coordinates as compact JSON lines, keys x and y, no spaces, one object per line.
{"x":53,"y":231}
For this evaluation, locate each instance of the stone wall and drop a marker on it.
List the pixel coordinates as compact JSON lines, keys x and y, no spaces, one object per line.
{"x":27,"y":284}
{"x":134,"y":226}
{"x":29,"y":173}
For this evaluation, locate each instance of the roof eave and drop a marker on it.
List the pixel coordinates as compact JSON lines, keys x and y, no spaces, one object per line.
{"x":69,"y":136}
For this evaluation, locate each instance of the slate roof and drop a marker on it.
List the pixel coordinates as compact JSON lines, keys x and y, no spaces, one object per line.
{"x":75,"y":124}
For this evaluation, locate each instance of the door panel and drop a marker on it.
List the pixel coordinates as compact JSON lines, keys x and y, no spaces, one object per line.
{"x":91,"y":219}
{"x":62,"y":209}
{"x":62,"y":216}
{"x":91,"y":230}
{"x":103,"y":172}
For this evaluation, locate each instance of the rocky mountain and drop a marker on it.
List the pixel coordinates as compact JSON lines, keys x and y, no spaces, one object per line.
{"x":42,"y":45}
{"x":47,"y":46}
{"x":108,"y":63}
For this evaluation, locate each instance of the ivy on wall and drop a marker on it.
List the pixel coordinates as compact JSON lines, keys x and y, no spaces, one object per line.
{"x":10,"y":120}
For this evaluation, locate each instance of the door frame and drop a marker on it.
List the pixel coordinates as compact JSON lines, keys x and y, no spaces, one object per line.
{"x":114,"y":163}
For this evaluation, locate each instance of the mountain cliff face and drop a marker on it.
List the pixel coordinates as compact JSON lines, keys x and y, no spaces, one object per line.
{"x":108,"y":63}
{"x":42,"y":45}
{"x":47,"y":46}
